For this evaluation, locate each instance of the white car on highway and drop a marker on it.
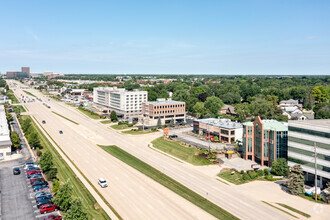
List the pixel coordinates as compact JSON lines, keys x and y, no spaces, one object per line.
{"x":103,"y":183}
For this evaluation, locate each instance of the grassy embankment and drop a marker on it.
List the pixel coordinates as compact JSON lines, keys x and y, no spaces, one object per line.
{"x":18,"y":109}
{"x":106,"y":122}
{"x":168,"y":182}
{"x":139,"y":131}
{"x":294,"y":210}
{"x":65,"y":173}
{"x":90,"y":114}
{"x":119,"y":127}
{"x":174,"y":148}
{"x":65,"y":118}
{"x":11,"y":96}
{"x":29,"y":93}
{"x":241,"y":178}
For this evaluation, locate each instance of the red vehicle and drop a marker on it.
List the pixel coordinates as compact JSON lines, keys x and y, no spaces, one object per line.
{"x":33,"y":172}
{"x":48,"y":208}
{"x":53,"y":217}
{"x":35,"y":179}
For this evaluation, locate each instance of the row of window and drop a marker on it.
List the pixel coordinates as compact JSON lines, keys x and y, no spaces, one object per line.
{"x":168,"y":106}
{"x":312,"y":132}
{"x":310,"y":143}
{"x":169,"y":111}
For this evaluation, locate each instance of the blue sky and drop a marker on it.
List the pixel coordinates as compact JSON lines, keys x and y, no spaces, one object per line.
{"x":165,"y":36}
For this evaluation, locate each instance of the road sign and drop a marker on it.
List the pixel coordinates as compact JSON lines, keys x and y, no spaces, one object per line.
{"x":166,"y":130}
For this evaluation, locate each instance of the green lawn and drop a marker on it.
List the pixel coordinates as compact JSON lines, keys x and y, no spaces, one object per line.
{"x":65,"y":173}
{"x":294,"y":210}
{"x":18,"y":109}
{"x":168,"y":182}
{"x":119,"y":127}
{"x":13,"y":98}
{"x":106,"y":122}
{"x":237,"y":177}
{"x":184,"y":153}
{"x":29,"y":93}
{"x":65,"y":118}
{"x":89,"y":114}
{"x":136,"y":131}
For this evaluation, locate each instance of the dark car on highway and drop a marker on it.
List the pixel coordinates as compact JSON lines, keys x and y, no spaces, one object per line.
{"x":61,"y":132}
{"x":16,"y":171}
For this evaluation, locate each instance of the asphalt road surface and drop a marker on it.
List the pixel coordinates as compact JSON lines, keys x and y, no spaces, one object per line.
{"x":134,"y":195}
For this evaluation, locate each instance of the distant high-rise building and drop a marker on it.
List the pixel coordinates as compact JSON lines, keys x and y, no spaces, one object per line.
{"x":265,"y":141}
{"x":26,"y":70}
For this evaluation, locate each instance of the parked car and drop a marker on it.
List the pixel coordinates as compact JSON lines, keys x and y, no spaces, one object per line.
{"x":44,"y":197}
{"x":47,"y":208}
{"x":38,"y":182}
{"x":40,"y":187}
{"x":43,"y":202}
{"x":32,"y":172}
{"x":53,"y":217}
{"x":173,"y":136}
{"x":16,"y":171}
{"x":36,"y":179}
{"x":35,"y":175}
{"x":45,"y":193}
{"x":102,"y":182}
{"x":32,"y":168}
{"x":28,"y":163}
{"x":61,"y":132}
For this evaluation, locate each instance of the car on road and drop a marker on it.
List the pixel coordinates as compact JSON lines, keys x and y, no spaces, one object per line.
{"x":173,"y":136}
{"x":102,"y":182}
{"x":16,"y":171}
{"x":40,"y":187}
{"x":43,"y":121}
{"x":48,"y":208}
{"x":43,"y":202}
{"x":53,"y":217}
{"x":61,"y":132}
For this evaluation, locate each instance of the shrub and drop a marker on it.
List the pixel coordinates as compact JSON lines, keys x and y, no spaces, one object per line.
{"x":153,"y":129}
{"x":280,"y":167}
{"x":56,"y":186}
{"x":51,"y":174}
{"x":242,"y":171}
{"x":39,"y":153}
{"x":260,"y":172}
{"x":266,"y":172}
{"x":319,"y":197}
{"x":252,"y":174}
{"x":246,"y":176}
{"x":129,"y":125}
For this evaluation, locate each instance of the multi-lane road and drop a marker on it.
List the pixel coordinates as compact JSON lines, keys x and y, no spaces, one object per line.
{"x":133,"y":195}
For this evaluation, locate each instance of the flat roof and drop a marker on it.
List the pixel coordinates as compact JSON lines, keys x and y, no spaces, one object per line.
{"x":270,"y":124}
{"x":221,"y":122}
{"x":316,"y":124}
{"x":165,"y":102}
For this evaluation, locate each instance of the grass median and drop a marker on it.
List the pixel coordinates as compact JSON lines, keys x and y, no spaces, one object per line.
{"x":90,"y":114}
{"x":168,"y":182}
{"x":93,"y":210}
{"x":294,"y":210}
{"x":174,"y":148}
{"x":282,"y":210}
{"x":139,"y":131}
{"x":66,"y":118}
{"x":29,"y":93}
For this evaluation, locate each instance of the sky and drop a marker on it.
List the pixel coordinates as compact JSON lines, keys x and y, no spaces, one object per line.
{"x":166,"y":37}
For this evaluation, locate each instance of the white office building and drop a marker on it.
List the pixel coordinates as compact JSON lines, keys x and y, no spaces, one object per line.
{"x":303,"y":136}
{"x":127,"y":104}
{"x":5,"y":141}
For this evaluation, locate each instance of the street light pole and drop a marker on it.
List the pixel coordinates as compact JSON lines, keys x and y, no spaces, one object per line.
{"x":315,"y":180}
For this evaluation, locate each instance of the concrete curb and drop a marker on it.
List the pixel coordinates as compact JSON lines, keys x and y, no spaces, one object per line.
{"x":229,"y":183}
{"x":98,"y":199}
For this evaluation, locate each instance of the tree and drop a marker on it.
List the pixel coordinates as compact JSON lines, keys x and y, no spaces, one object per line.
{"x":15,"y":139}
{"x":280,"y":167}
{"x":76,"y":211}
{"x":33,"y":139}
{"x":296,"y":180}
{"x":113,"y":116}
{"x":213,"y":105}
{"x":63,"y":196}
{"x":159,"y":123}
{"x":309,"y":101}
{"x":322,"y":111}
{"x":51,"y":174}
{"x":199,"y":109}
{"x":321,"y":93}
{"x":26,"y":124}
{"x":46,"y":161}
{"x":282,"y":118}
{"x":9,"y":116}
{"x":171,"y":123}
{"x":56,"y":185}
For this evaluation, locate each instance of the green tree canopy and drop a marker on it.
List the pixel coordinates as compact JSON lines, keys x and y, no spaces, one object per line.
{"x":199,"y":109}
{"x":213,"y":105}
{"x":280,"y":167}
{"x":15,"y":139}
{"x":296,"y":180}
{"x":76,"y":211}
{"x":46,"y":161}
{"x":322,"y":111}
{"x":113,"y":116}
{"x":64,"y":196}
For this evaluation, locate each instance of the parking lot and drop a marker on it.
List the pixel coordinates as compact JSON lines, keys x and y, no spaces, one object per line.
{"x":17,"y":199}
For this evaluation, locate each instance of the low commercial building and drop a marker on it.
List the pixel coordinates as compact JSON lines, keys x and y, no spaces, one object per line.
{"x":226,"y":130}
{"x":265,"y":141}
{"x":304,"y":138}
{"x":127,"y":104}
{"x":164,"y":109}
{"x":5,"y":141}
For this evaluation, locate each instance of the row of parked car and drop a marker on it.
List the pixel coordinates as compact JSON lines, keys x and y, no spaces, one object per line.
{"x":43,"y":197}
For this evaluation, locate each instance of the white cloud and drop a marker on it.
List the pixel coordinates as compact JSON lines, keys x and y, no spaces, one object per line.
{"x":31,"y":33}
{"x":311,"y":37}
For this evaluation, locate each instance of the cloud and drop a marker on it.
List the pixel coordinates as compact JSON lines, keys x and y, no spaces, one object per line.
{"x":31,"y":33}
{"x":311,"y":37}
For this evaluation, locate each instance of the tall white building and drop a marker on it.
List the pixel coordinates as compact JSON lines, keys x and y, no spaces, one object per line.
{"x":5,"y":141}
{"x":127,"y":104}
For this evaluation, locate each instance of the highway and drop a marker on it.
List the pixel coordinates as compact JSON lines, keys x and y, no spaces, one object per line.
{"x":132,"y":194}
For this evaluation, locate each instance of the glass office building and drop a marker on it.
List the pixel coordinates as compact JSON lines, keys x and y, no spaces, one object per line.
{"x":265,"y":141}
{"x":304,"y":138}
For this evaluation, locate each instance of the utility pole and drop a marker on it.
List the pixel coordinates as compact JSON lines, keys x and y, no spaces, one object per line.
{"x":208,"y":128}
{"x":315,"y":180}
